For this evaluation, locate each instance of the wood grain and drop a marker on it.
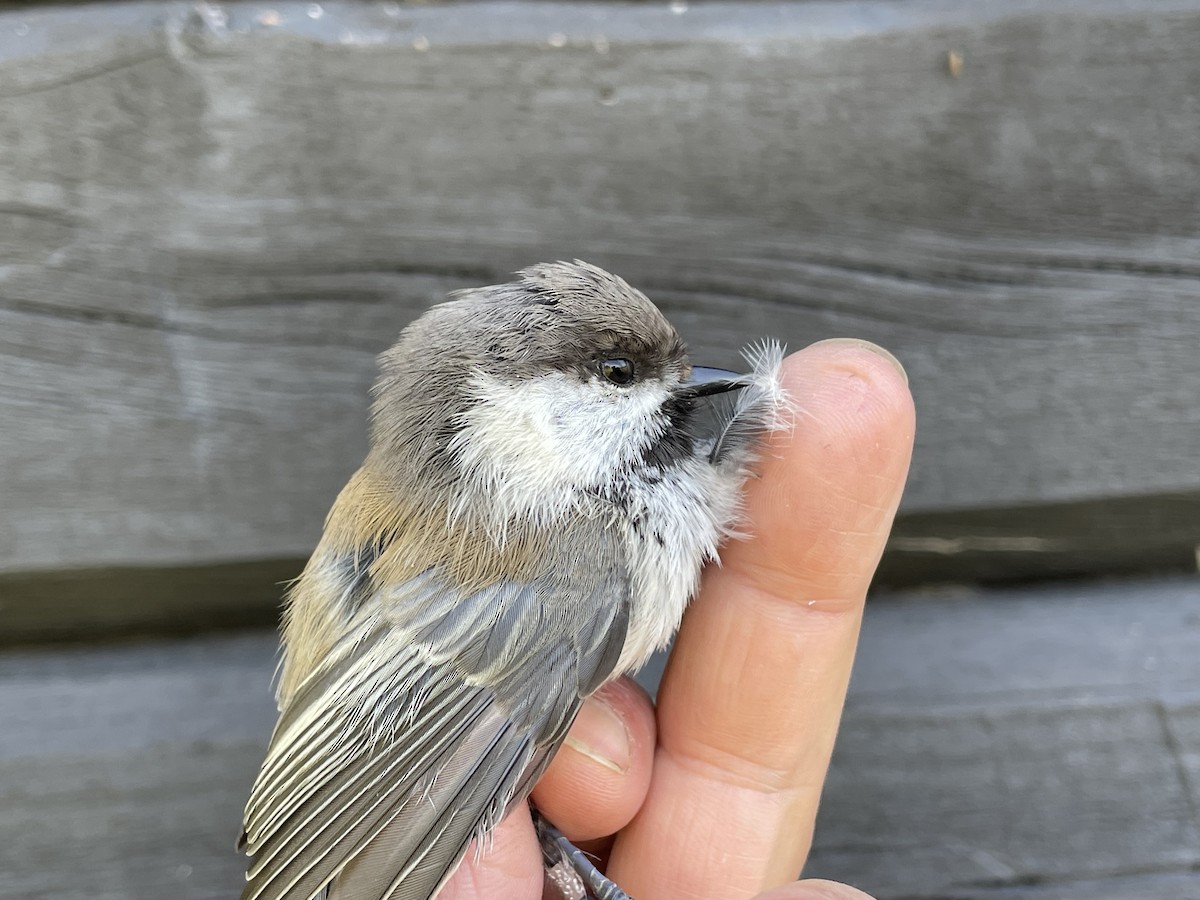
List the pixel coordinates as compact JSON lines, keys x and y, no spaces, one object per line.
{"x":1155,"y":532}
{"x":209,"y":226}
{"x":997,"y":745}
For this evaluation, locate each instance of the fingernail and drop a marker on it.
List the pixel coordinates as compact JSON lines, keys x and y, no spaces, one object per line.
{"x":600,"y":734}
{"x":866,"y":345}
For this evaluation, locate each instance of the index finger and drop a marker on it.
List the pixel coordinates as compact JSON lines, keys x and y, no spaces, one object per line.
{"x":750,"y":701}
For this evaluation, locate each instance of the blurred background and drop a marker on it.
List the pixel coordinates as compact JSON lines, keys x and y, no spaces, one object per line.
{"x":213,"y":217}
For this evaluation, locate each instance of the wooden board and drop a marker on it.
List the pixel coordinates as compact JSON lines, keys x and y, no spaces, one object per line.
{"x":1130,"y":534}
{"x":212,"y":219}
{"x":1022,"y":743}
{"x":997,"y":745}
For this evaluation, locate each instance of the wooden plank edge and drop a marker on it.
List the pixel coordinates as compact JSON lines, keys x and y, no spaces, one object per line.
{"x":1148,"y":534}
{"x":90,"y":604}
{"x":1153,"y":534}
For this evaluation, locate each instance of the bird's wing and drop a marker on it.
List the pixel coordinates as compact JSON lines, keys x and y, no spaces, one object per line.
{"x":434,"y":713}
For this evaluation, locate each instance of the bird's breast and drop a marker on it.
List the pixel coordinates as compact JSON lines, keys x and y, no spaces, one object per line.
{"x":677,"y":518}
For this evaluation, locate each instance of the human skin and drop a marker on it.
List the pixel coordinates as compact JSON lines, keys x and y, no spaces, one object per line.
{"x":714,"y":792}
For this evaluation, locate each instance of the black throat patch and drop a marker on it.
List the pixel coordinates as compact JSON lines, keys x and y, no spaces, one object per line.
{"x":678,"y":441}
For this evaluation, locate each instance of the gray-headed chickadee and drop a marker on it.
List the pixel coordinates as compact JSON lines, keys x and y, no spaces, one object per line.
{"x":547,"y":475}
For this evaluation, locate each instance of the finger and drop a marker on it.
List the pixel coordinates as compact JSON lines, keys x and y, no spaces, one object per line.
{"x":595,"y":784}
{"x":812,"y":889}
{"x":509,"y":865}
{"x":751,"y":699}
{"x":600,"y":777}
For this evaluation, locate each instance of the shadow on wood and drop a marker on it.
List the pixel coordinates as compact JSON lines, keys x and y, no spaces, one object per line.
{"x":997,"y":745}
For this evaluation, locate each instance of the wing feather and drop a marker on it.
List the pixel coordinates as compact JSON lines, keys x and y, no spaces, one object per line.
{"x":444,"y":819}
{"x":425,"y":723}
{"x":339,"y":806}
{"x":316,"y":750}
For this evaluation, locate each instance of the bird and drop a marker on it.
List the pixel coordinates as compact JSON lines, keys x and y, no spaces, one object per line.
{"x":546,"y":476}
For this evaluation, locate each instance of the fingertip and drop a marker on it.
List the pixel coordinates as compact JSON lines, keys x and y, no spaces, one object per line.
{"x":831,"y":483}
{"x":847,"y":384}
{"x":509,"y":864}
{"x":853,"y":346}
{"x":815,"y":889}
{"x":600,"y":776}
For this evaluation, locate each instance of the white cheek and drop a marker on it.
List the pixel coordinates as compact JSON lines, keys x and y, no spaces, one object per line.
{"x":538,"y":449}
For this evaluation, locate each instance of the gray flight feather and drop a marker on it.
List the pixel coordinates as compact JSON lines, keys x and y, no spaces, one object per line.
{"x":387,"y":764}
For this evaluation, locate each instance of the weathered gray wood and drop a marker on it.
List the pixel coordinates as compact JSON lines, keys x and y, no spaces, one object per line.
{"x":1018,"y":739}
{"x":1153,"y":886}
{"x":115,"y":603}
{"x":1155,"y":532}
{"x":211,"y":221}
{"x":997,"y":745}
{"x":1133,"y":534}
{"x":123,"y":771}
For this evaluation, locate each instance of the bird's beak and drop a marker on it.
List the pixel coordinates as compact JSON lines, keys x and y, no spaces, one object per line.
{"x":706,"y":381}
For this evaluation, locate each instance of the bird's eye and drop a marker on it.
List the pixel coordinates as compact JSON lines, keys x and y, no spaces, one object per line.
{"x":618,"y":371}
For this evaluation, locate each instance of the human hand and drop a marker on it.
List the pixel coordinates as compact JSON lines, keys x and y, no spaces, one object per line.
{"x":722,"y":804}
